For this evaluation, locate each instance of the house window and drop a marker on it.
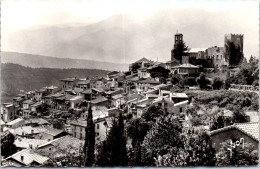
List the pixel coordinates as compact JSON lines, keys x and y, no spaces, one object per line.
{"x":97,"y":126}
{"x":49,"y":148}
{"x":180,"y":109}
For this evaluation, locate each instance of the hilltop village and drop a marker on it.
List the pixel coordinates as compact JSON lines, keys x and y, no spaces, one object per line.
{"x":195,"y":99}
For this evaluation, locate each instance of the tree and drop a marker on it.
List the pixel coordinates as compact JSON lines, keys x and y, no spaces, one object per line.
{"x":197,"y":151}
{"x":112,"y":151}
{"x":218,"y":123}
{"x":203,"y":81}
{"x":152,"y":113}
{"x":89,"y":146}
{"x":7,"y":146}
{"x":179,"y":51}
{"x":190,"y":81}
{"x":242,"y":155}
{"x":253,"y":61}
{"x":135,"y":66}
{"x":175,"y":79}
{"x":217,"y":83}
{"x":239,"y":116}
{"x":42,"y":108}
{"x":137,"y":130}
{"x":233,"y":54}
{"x":164,"y":134}
{"x":159,"y":72}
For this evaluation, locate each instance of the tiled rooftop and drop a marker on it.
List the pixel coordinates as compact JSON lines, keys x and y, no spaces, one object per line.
{"x":25,"y":142}
{"x":250,"y":129}
{"x":28,"y":157}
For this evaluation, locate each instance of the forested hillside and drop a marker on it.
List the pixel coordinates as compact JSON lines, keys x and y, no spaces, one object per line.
{"x":15,"y":77}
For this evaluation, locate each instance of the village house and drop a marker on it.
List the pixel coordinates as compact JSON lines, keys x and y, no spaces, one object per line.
{"x":63,"y":146}
{"x":178,"y":97}
{"x":87,"y":94}
{"x":18,"y":101}
{"x":77,"y":91}
{"x":100,"y":101}
{"x":143,"y":62}
{"x":139,"y":107}
{"x":238,"y":132}
{"x":143,"y":73}
{"x":61,"y":103}
{"x":185,"y":69}
{"x":51,"y":134}
{"x":68,"y":83}
{"x":114,"y":112}
{"x":35,"y":106}
{"x":131,"y":102}
{"x":75,"y":101}
{"x":29,"y":94}
{"x":116,"y":81}
{"x":15,"y":123}
{"x":36,"y":122}
{"x":98,"y":82}
{"x":27,"y":132}
{"x":171,"y":63}
{"x":144,"y":85}
{"x":117,"y":100}
{"x":24,"y":158}
{"x":97,"y":92}
{"x":8,"y":112}
{"x":102,"y":125}
{"x":39,"y":94}
{"x":178,"y":109}
{"x":54,"y":100}
{"x":112,"y":84}
{"x":109,"y":94}
{"x":84,"y":85}
{"x":52,"y":89}
{"x":26,"y":109}
{"x":111,"y":74}
{"x":25,"y":143}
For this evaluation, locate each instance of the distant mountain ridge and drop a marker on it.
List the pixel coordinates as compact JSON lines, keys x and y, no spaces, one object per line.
{"x":37,"y":61}
{"x":125,"y":38}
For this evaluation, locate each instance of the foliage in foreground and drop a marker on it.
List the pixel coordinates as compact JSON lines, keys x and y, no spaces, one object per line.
{"x":113,"y":150}
{"x":239,"y":156}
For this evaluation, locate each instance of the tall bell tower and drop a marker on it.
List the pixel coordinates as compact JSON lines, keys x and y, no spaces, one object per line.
{"x":178,"y":38}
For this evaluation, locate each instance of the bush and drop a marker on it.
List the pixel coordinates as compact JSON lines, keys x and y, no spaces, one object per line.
{"x":175,"y":79}
{"x":217,"y":83}
{"x":203,"y":81}
{"x":190,"y":81}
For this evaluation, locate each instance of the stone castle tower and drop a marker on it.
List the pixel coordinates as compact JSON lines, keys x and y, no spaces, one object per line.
{"x":177,"y":39}
{"x":237,"y":39}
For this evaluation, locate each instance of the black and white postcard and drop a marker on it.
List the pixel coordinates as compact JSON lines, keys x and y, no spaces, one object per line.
{"x":127,"y":83}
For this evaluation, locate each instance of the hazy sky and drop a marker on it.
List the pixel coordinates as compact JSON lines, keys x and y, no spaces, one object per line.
{"x":18,"y":14}
{"x":22,"y":14}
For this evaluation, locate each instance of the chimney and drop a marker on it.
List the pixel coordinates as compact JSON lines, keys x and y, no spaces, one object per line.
{"x":32,"y":131}
{"x":22,"y":157}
